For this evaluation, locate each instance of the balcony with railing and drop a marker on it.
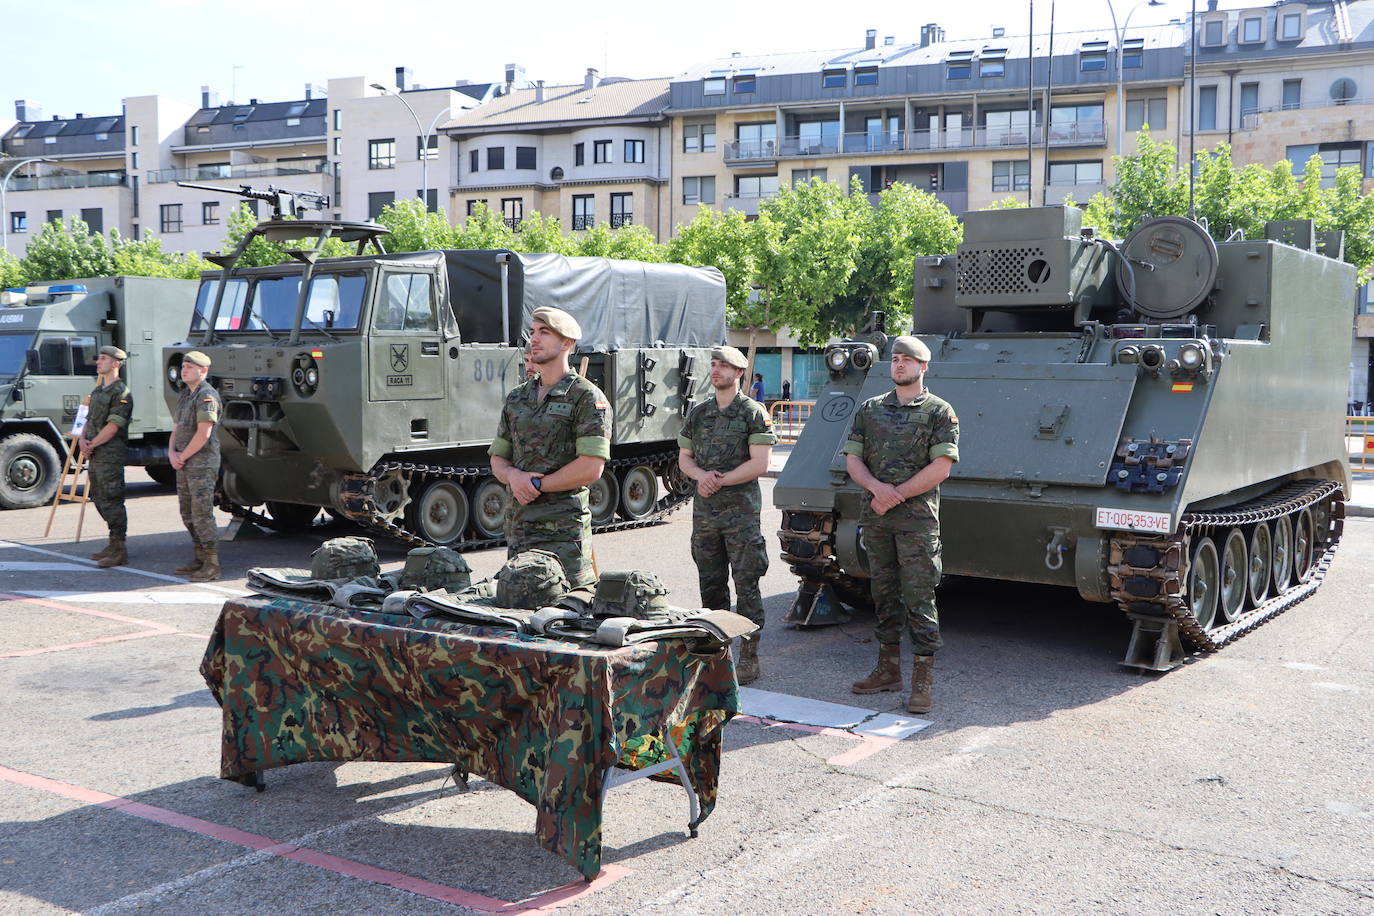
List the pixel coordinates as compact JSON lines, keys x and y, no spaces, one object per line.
{"x":512,"y":223}
{"x":583,"y":222}
{"x":64,"y":182}
{"x":231,"y":172}
{"x":760,"y":152}
{"x":1253,"y":118}
{"x":748,"y":204}
{"x":621,"y":220}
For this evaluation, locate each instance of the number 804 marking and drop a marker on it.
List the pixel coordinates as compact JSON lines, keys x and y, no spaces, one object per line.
{"x":488,"y":370}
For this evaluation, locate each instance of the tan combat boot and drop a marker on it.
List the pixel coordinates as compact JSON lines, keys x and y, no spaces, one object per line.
{"x":100,"y":554}
{"x":922,"y":679}
{"x":117,"y":555}
{"x":747,"y":670}
{"x":209,"y":567}
{"x":185,"y":569}
{"x":888,"y":674}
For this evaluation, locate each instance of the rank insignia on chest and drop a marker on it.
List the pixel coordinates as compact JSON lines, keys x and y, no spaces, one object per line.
{"x":560,"y":409}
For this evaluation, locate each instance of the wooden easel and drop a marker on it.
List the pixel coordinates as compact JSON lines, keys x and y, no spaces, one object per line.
{"x":74,"y":474}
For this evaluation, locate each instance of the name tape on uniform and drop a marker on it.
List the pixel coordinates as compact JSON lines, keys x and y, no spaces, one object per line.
{"x":1133,"y":520}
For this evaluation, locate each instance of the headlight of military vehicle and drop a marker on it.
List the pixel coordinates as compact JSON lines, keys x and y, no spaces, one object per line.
{"x":173,"y":374}
{"x":312,"y":376}
{"x":1152,"y":356}
{"x":1192,"y":357}
{"x":863,"y":357}
{"x":1128,"y":355}
{"x":837,"y":359}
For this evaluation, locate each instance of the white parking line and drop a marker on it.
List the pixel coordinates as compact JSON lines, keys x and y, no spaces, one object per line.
{"x":168,"y":597}
{"x":89,"y":565}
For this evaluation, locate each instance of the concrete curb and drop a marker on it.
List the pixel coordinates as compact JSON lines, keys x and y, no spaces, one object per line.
{"x":1354,"y":509}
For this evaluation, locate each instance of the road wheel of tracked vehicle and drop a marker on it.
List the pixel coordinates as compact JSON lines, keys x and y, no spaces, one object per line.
{"x":440,"y":513}
{"x":163,"y":474}
{"x":603,"y":496}
{"x":1282,"y":568}
{"x":1303,"y":545}
{"x":638,"y":492}
{"x":391,"y":495}
{"x":1321,"y":525}
{"x":1235,"y":574}
{"x":1261,"y":563}
{"x":489,"y":502}
{"x":1204,"y":583}
{"x":676,"y":481}
{"x":292,"y":516}
{"x":29,"y":468}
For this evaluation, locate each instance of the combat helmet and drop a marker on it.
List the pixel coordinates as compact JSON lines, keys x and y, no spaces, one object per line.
{"x":345,"y":558}
{"x":433,"y":568}
{"x":532,"y":579}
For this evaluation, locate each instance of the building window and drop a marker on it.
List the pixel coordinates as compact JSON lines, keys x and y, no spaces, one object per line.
{"x":133,"y":135}
{"x":1249,"y":99}
{"x":1252,"y":30}
{"x":802,"y":176}
{"x":427,"y":147}
{"x":477,"y":203}
{"x":1207,"y":108}
{"x":865,"y":76}
{"x":745,"y":83}
{"x":377,"y":201}
{"x":992,"y":67}
{"x":834,"y":78}
{"x":1290,"y":26}
{"x":430,"y":197}
{"x":713,"y":85}
{"x":584,"y":210}
{"x":1132,"y":53}
{"x":19,"y":221}
{"x":601,"y":151}
{"x":524,"y":157}
{"x":1292,"y":94}
{"x":699,"y":190}
{"x":1214,"y":33}
{"x":1075,"y":173}
{"x":699,"y":138}
{"x":512,"y":212}
{"x":1012,"y":175}
{"x":1092,"y":58}
{"x":496,"y":157}
{"x":634,"y":150}
{"x":579,"y":154}
{"x":1142,"y":112}
{"x":959,"y":65}
{"x":170,"y":218}
{"x":474,"y":160}
{"x":209,"y":213}
{"x":756,"y":186}
{"x":54,"y":216}
{"x":338,"y":146}
{"x":622,"y":210}
{"x":133,"y":160}
{"x":756,"y":141}
{"x":94,"y":218}
{"x":1334,"y":156}
{"x":381,"y":154}
{"x":338,"y":119}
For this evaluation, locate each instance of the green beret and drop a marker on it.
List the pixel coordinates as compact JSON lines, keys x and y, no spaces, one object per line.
{"x":911,"y":346}
{"x":115,"y":352}
{"x":197,"y":358}
{"x":560,"y":321}
{"x":730,"y":356}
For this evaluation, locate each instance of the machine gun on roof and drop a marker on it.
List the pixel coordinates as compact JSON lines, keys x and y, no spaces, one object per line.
{"x":284,"y":203}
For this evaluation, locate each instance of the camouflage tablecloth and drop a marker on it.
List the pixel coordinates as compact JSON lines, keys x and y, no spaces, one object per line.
{"x":299,"y":682}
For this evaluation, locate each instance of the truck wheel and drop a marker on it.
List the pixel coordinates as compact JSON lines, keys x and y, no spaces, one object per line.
{"x":163,"y":474}
{"x":29,"y":468}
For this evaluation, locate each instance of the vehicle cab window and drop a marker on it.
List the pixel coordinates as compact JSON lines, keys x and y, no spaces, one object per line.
{"x":405,"y":304}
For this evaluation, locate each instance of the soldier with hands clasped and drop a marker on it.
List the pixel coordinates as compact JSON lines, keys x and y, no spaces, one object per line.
{"x":194,"y":453}
{"x":901,"y":446}
{"x":724,"y":446}
{"x":105,"y":444}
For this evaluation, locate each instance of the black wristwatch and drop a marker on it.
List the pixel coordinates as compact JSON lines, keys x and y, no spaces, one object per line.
{"x":536,"y":482}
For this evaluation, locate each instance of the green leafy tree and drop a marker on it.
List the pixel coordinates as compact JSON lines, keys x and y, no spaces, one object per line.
{"x":1008,"y":203}
{"x":484,"y":229}
{"x":145,"y":257}
{"x":1147,"y":183}
{"x":11,"y":271}
{"x":539,"y":233}
{"x":261,"y":252}
{"x":631,"y":243}
{"x":63,"y":252}
{"x":730,"y":243}
{"x":413,"y":227}
{"x":909,"y":223}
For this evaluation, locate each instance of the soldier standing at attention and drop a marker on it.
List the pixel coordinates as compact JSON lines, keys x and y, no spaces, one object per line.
{"x":194,"y":453}
{"x":553,"y":440}
{"x":901,"y":446}
{"x":724,"y":446}
{"x":111,"y":406}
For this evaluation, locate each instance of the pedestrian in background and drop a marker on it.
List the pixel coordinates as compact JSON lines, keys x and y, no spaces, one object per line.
{"x":756,"y":389}
{"x":108,"y":412}
{"x":194,"y":453}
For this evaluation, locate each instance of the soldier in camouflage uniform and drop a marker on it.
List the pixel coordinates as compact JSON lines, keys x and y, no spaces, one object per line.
{"x":724,"y":446}
{"x":105,"y":444}
{"x":194,"y":453}
{"x":901,"y":446}
{"x":552,"y":441}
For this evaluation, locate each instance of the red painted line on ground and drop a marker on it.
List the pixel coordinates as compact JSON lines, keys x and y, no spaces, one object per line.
{"x":152,"y":628}
{"x":868,"y":744}
{"x":546,"y":902}
{"x":62,"y":606}
{"x":82,"y":645}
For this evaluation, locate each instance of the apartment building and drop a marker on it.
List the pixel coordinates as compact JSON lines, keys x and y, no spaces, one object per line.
{"x":1288,"y":81}
{"x":591,"y":154}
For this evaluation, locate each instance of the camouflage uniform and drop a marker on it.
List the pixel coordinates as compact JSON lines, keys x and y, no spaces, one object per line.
{"x":574,"y":419}
{"x":196,"y":481}
{"x":111,"y":403}
{"x":725,"y":527}
{"x":896,"y":441}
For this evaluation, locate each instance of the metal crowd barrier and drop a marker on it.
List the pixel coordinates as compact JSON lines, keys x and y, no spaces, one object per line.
{"x":788,"y":419}
{"x":1361,"y":428}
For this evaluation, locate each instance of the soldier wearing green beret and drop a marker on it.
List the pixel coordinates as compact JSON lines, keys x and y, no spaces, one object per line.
{"x":105,"y":444}
{"x":724,"y":446}
{"x":194,"y":453}
{"x":901,"y":446}
{"x":553,"y":440}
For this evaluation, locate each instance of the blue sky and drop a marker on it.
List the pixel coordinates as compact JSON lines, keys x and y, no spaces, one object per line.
{"x":85,"y":56}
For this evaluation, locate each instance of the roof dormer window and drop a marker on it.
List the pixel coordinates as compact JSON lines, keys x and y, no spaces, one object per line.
{"x":992,"y":62}
{"x":1092,"y":56}
{"x":834,"y":78}
{"x":1251,"y":29}
{"x":1132,"y":53}
{"x":959,"y":65}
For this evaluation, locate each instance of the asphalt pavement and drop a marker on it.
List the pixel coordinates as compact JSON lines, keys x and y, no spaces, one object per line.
{"x":1050,"y":779}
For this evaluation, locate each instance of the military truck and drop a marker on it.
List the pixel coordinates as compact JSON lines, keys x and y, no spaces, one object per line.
{"x":371,"y":385}
{"x":49,"y":339}
{"x":1155,"y":423}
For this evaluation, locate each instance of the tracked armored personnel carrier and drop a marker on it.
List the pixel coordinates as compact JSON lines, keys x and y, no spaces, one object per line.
{"x":371,"y":385}
{"x":1155,"y":424}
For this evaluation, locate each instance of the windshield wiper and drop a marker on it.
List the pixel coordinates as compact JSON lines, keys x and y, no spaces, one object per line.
{"x":319,"y":328}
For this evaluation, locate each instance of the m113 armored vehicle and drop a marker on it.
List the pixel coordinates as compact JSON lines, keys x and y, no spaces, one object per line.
{"x":371,"y":385}
{"x":1155,"y":423}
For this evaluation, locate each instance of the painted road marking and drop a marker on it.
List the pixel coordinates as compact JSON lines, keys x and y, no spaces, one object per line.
{"x":90,"y":565}
{"x":874,"y":730}
{"x":171,"y":597}
{"x":24,"y":566}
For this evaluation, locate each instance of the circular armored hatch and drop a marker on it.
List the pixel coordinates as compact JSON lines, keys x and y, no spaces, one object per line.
{"x":441,"y":512}
{"x":1261,"y":563}
{"x":638,"y":492}
{"x":1174,"y":262}
{"x":1204,"y":583}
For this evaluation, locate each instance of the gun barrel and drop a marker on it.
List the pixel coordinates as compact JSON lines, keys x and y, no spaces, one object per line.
{"x":245,"y":191}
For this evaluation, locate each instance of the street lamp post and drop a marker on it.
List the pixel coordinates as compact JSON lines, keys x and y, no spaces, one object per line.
{"x":425,"y":134}
{"x":5,"y":214}
{"x":1120,"y":97}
